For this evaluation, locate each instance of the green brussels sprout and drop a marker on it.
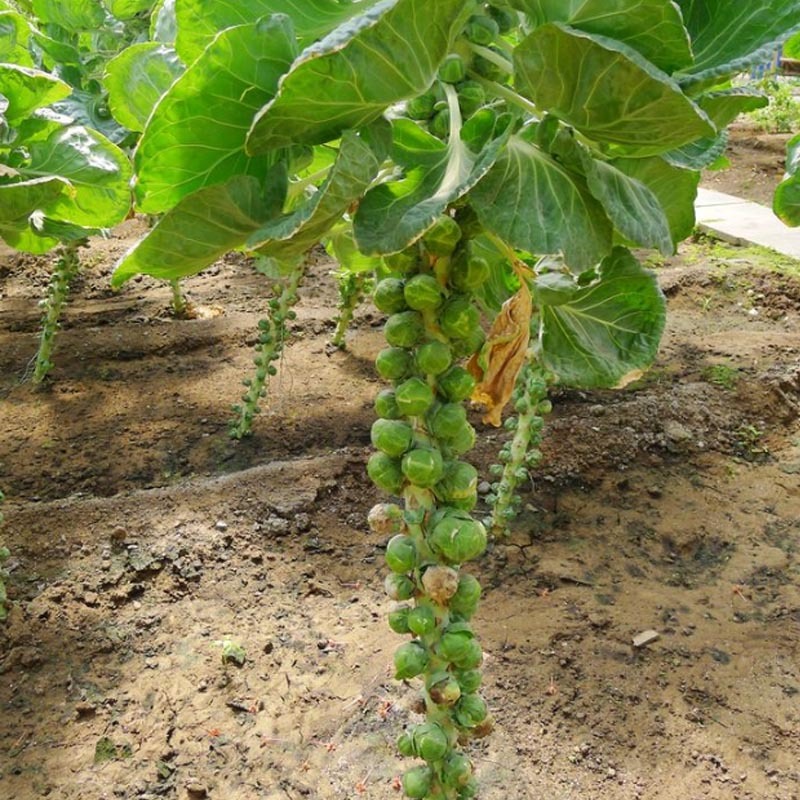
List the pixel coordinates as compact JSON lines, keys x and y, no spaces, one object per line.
{"x":455,"y":642}
{"x":422,"y":620}
{"x":456,"y":384}
{"x":440,"y":124}
{"x":481,"y":29}
{"x":386,"y":404}
{"x":457,"y":770}
{"x":423,"y":293}
{"x":404,"y":329}
{"x":469,"y":791}
{"x":423,"y":466}
{"x":393,"y":363}
{"x":445,"y":692}
{"x":410,"y":660}
{"x":405,"y":745}
{"x":472,"y":658}
{"x":469,"y":680}
{"x":447,"y":420}
{"x":421,"y":108}
{"x":391,"y":436}
{"x":457,"y":539}
{"x":480,"y":128}
{"x":471,"y":96}
{"x":470,"y":710}
{"x":430,"y":741}
{"x":488,"y":69}
{"x":470,"y":344}
{"x":453,"y":69}
{"x":401,"y":554}
{"x":458,"y":318}
{"x":386,"y":518}
{"x":399,"y":587}
{"x":417,"y":781}
{"x":398,"y":620}
{"x":402,"y":262}
{"x":389,"y":296}
{"x":545,"y":407}
{"x":505,"y":18}
{"x":385,"y":472}
{"x":468,"y":272}
{"x":442,"y":237}
{"x":433,"y":358}
{"x":459,"y":486}
{"x":465,"y":600}
{"x":414,"y":397}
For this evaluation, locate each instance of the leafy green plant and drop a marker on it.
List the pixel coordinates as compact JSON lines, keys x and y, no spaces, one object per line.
{"x":232,"y":652}
{"x":492,"y":163}
{"x":782,"y":115}
{"x":722,"y":375}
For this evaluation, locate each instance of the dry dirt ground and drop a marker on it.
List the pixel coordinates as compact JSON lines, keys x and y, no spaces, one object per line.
{"x":143,"y":539}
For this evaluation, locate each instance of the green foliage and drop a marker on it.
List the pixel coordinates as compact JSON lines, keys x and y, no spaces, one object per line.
{"x":782,"y":115}
{"x":232,"y":652}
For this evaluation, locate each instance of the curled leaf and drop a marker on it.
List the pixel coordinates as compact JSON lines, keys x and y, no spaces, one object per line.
{"x":497,"y":365}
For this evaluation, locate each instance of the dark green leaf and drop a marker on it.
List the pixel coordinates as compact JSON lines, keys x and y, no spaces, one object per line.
{"x":787,"y":196}
{"x":535,"y":204}
{"x":388,"y":54}
{"x":27,"y":89}
{"x":728,"y":37}
{"x":653,"y":27}
{"x":137,"y":78}
{"x":724,"y":106}
{"x":700,"y":154}
{"x":91,"y":111}
{"x":195,"y":136}
{"x":608,"y":332}
{"x":200,"y":21}
{"x":201,"y":228}
{"x":606,"y":90}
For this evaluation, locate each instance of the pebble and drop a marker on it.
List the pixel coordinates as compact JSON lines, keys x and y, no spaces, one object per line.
{"x":484,"y":487}
{"x":221,"y":525}
{"x":644,"y":638}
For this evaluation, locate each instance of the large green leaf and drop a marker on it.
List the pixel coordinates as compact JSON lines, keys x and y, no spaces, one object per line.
{"x":126,"y":9}
{"x":74,"y":16}
{"x":700,"y":154}
{"x":196,"y":134}
{"x":136,"y":79}
{"x":292,"y":235}
{"x":674,"y":187}
{"x":396,"y":213}
{"x":389,"y":53}
{"x":201,"y":228}
{"x":653,"y":27}
{"x":728,"y":37}
{"x":724,"y":106}
{"x":200,"y":21}
{"x":606,"y":90}
{"x":14,"y":35}
{"x":19,"y":200}
{"x":786,"y":203}
{"x":535,"y":204}
{"x":98,"y":172}
{"x":27,"y":89}
{"x":607,"y":333}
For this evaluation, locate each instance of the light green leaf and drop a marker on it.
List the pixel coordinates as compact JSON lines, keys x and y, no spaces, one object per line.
{"x":163,"y":23}
{"x":26,"y":240}
{"x":74,"y":16}
{"x":60,"y":52}
{"x":675,"y":188}
{"x":341,"y":246}
{"x":724,"y":106}
{"x":196,"y":134}
{"x":786,"y":203}
{"x":14,"y":35}
{"x":201,"y":228}
{"x":791,"y":49}
{"x":728,"y":37}
{"x":608,"y":332}
{"x":126,"y":9}
{"x":98,"y":172}
{"x":653,"y":27}
{"x":19,"y":200}
{"x":606,"y":90}
{"x":389,"y":53}
{"x":27,"y":89}
{"x":200,"y":21}
{"x":136,"y":79}
{"x":394,"y":214}
{"x":533,"y":203}
{"x":292,"y":235}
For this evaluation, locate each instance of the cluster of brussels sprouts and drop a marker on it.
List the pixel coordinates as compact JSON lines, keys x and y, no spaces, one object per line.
{"x":272,"y":335}
{"x":420,"y":435}
{"x":522,"y":453}
{"x":67,"y":268}
{"x":476,"y":57}
{"x":353,"y":288}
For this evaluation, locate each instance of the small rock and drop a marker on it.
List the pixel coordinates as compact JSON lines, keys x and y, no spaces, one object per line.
{"x":611,"y":772}
{"x":196,"y":790}
{"x":677,"y":432}
{"x":645,"y":638}
{"x":277,"y":526}
{"x":91,"y":598}
{"x":484,"y":487}
{"x":221,"y":525}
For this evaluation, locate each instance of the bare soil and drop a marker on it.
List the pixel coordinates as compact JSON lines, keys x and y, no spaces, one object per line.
{"x":142,"y":539}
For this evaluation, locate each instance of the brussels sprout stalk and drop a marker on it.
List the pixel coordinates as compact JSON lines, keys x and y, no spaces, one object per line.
{"x":522,"y":453}
{"x":180,"y":306}
{"x":67,"y":268}
{"x":353,"y":287}
{"x":273,"y":333}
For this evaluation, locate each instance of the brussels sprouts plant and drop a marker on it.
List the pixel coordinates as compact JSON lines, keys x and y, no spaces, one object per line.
{"x":493,"y":163}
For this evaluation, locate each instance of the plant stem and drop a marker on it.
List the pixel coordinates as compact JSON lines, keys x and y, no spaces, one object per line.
{"x":271,"y":341}
{"x":67,"y":268}
{"x":495,"y":58}
{"x":179,"y":304}
{"x":507,"y":94}
{"x":353,"y":287}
